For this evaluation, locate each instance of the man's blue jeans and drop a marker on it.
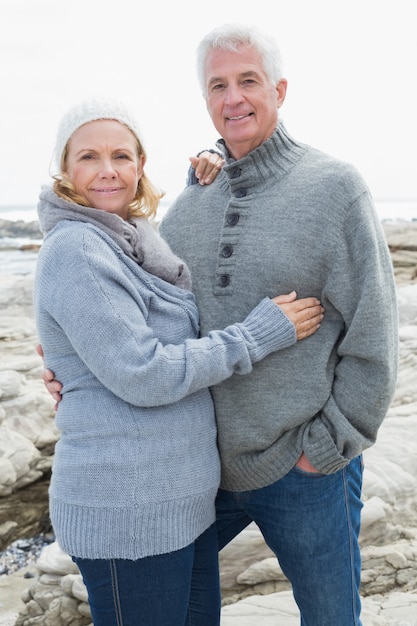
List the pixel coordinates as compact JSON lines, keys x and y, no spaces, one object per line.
{"x":176,"y":589}
{"x":311,"y":522}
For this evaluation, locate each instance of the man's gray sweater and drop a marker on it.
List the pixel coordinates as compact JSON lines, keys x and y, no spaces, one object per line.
{"x":285,"y":217}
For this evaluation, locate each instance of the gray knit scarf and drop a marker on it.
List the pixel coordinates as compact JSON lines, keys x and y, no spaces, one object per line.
{"x":137,"y":237}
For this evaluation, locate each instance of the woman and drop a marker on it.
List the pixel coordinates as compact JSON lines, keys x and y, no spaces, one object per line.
{"x":136,"y":469}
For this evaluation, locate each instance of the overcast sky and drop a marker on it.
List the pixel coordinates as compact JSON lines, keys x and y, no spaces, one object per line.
{"x":351,"y":68}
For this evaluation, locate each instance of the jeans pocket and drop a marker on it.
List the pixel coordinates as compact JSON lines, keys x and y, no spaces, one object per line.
{"x":302,"y":472}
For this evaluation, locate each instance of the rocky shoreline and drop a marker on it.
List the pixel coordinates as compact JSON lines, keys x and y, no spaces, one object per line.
{"x":20,"y":228}
{"x":253,"y":586}
{"x":23,"y":553}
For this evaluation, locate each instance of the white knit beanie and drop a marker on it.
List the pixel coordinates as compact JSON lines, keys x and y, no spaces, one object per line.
{"x":89,"y":111}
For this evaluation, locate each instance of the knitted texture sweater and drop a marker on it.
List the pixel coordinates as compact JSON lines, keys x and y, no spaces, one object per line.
{"x":288,"y":216}
{"x":136,"y":468}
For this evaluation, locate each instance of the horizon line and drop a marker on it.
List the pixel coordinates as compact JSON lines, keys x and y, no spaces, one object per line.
{"x":164,"y":199}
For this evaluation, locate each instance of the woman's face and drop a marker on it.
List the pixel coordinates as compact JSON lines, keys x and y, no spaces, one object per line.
{"x":103,"y":165}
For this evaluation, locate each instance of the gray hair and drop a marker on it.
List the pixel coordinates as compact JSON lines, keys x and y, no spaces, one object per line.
{"x":231,"y":37}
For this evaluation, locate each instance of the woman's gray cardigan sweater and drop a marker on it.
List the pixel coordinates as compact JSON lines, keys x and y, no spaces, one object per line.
{"x":288,"y":216}
{"x":136,"y":468}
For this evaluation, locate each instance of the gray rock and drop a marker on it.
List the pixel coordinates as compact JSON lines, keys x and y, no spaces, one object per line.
{"x":253,"y":586}
{"x":20,"y":228}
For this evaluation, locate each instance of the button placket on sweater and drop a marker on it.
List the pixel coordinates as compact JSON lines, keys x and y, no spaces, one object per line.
{"x":230,"y":235}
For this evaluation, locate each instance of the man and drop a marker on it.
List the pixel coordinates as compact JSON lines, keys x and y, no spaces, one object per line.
{"x":282,"y":215}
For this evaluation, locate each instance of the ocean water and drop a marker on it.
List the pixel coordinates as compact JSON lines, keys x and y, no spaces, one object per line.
{"x":15,"y":261}
{"x":388,"y":209}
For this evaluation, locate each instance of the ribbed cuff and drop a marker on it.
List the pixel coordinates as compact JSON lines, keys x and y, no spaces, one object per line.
{"x":270,"y":329}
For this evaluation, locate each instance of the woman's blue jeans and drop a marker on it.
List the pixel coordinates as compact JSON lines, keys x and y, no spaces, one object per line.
{"x":176,"y":589}
{"x":311,"y":522}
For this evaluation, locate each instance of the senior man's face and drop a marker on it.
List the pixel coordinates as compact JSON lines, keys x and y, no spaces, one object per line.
{"x":241,"y":101}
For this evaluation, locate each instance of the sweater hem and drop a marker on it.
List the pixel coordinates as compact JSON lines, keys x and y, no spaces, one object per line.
{"x":131,"y":533}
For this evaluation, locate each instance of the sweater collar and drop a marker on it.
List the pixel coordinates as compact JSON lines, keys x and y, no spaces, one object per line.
{"x":274,"y":157}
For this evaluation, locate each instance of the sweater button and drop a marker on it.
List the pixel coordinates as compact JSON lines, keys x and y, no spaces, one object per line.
{"x":232,"y":219}
{"x":227,"y":251}
{"x":236,"y":172}
{"x":224,"y":280}
{"x":241,"y":193}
